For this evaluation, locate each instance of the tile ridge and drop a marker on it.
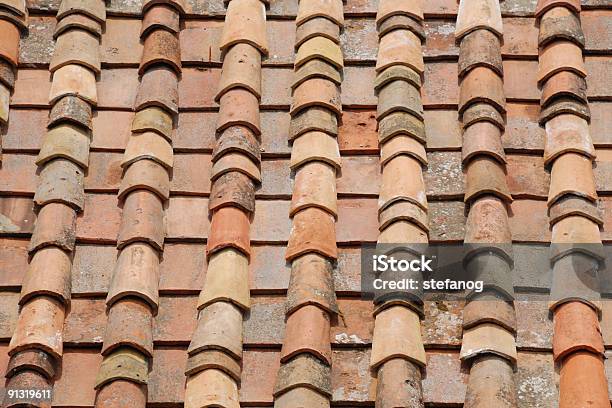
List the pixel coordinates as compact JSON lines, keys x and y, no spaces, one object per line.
{"x":304,"y":376}
{"x":133,"y":295}
{"x":489,"y":323}
{"x":398,"y":353}
{"x":36,"y":346}
{"x":214,"y":363}
{"x":15,"y":15}
{"x":573,"y":209}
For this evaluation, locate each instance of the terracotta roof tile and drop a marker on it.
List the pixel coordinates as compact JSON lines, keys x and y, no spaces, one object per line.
{"x":311,"y":283}
{"x":92,"y":8}
{"x":388,"y":8}
{"x":564,"y":84}
{"x":400,"y":47}
{"x":7,"y":75}
{"x":475,"y":14}
{"x":318,"y":26}
{"x":560,"y":56}
{"x":179,"y":5}
{"x":398,"y":123}
{"x":239,"y":107}
{"x":158,"y":87}
{"x":142,"y":220}
{"x":481,"y":84}
{"x":76,"y":47}
{"x":545,"y":5}
{"x":402,"y":180}
{"x":160,"y":16}
{"x":48,"y":274}
{"x":396,"y":72}
{"x":582,"y":381}
{"x":78,"y":22}
{"x":493,"y":267}
{"x":129,"y":324}
{"x":9,"y":47}
{"x":402,"y":232}
{"x":239,"y":139}
{"x":245,"y":22}
{"x":307,"y":332}
{"x":27,"y":379}
{"x":34,"y":360}
{"x":148,"y":145}
{"x":567,"y":133}
{"x":301,"y":396}
{"x":235,"y":162}
{"x":576,"y":328}
{"x":241,"y":69}
{"x":573,"y":280}
{"x":120,"y":393}
{"x":16,"y":6}
{"x":313,"y":119}
{"x":233,"y":189}
{"x":482,"y":112}
{"x":315,"y":186}
{"x":330,"y":9}
{"x":5,"y":95}
{"x":67,"y":142}
{"x":402,"y":145}
{"x":136,"y":274}
{"x":313,"y":231}
{"x":480,"y":48}
{"x":572,"y":205}
{"x":402,"y":22}
{"x":316,"y":92}
{"x":213,"y":359}
{"x":315,"y":146}
{"x":399,"y":382}
{"x":489,"y":307}
{"x":406,"y":211}
{"x":387,"y":343}
{"x":399,"y":96}
{"x":227,"y":279}
{"x":219,"y":327}
{"x":488,"y":338}
{"x":39,"y":326}
{"x":75,"y":80}
{"x":491,"y":383}
{"x":304,"y":371}
{"x":486,"y":176}
{"x":560,"y":23}
{"x":60,"y":181}
{"x":319,"y":48}
{"x":72,"y":110}
{"x":565,"y":106}
{"x":572,"y":174}
{"x":55,"y":225}
{"x":482,"y":138}
{"x":219,"y":388}
{"x":146,"y":175}
{"x":153,"y":119}
{"x":487,"y":222}
{"x":229,"y":228}
{"x":161,"y":47}
{"x":123,"y":363}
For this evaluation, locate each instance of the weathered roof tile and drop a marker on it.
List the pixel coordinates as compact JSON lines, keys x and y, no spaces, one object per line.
{"x":213,"y":359}
{"x":315,"y":146}
{"x":301,"y":396}
{"x":488,"y":338}
{"x":486,"y":175}
{"x":316,"y":92}
{"x":229,"y":229}
{"x":241,"y":69}
{"x":153,"y":119}
{"x":78,"y":22}
{"x":573,"y":205}
{"x":48,"y":274}
{"x":388,"y":8}
{"x":583,"y":381}
{"x":136,"y":274}
{"x":123,"y":363}
{"x":211,"y":387}
{"x":72,"y":110}
{"x":330,"y":9}
{"x":160,"y":16}
{"x":161,"y":47}
{"x":491,"y":383}
{"x":304,"y":371}
{"x":227,"y":279}
{"x":245,"y":22}
{"x":489,"y":307}
{"x":399,"y":383}
{"x":399,"y":96}
{"x":402,"y":180}
{"x":234,"y":161}
{"x":9,"y":46}
{"x":480,"y":48}
{"x":39,"y":326}
{"x":560,"y":56}
{"x":76,"y":47}
{"x":564,"y":84}
{"x":576,"y":328}
{"x":475,"y":14}
{"x":17,"y":6}
{"x":61,"y":181}
{"x":311,"y":283}
{"x":307,"y":332}
{"x":482,"y":112}
{"x":482,"y":84}
{"x":121,"y":393}
{"x":145,"y":175}
{"x":562,"y":106}
{"x":315,"y":186}
{"x":158,"y":87}
{"x":55,"y":225}
{"x":400,"y":47}
{"x":406,"y":211}
{"x":545,"y":5}
{"x":129,"y":324}
{"x":95,"y":9}
{"x":572,"y":174}
{"x":402,"y":22}
{"x":398,"y":123}
{"x":402,"y":145}
{"x":179,"y":5}
{"x":397,"y":334}
{"x":7,"y":74}
{"x":567,"y":133}
{"x":148,"y":145}
{"x":239,"y":107}
{"x":313,"y":231}
{"x":318,"y":26}
{"x":313,"y":119}
{"x":237,"y":139}
{"x":319,"y":48}
{"x":142,"y":220}
{"x":560,"y":23}
{"x":402,"y":231}
{"x":33,"y":360}
{"x":233,"y":189}
{"x":65,"y":141}
{"x":219,"y":327}
{"x":482,"y":138}
{"x":75,"y":80}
